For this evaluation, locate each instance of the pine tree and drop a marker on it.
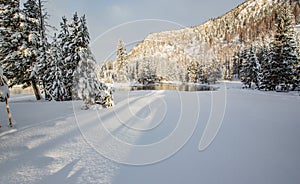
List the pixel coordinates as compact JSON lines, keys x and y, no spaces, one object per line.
{"x":11,"y":41}
{"x":65,"y":42}
{"x":54,"y":75}
{"x":86,"y":85}
{"x":121,"y":61}
{"x":64,"y":37}
{"x":193,"y":72}
{"x":19,"y":44}
{"x":73,"y":38}
{"x":236,"y":66}
{"x":172,"y":71}
{"x":227,"y":73}
{"x":250,"y":68}
{"x":44,"y":45}
{"x":148,"y":74}
{"x":214,"y":71}
{"x":32,"y":44}
{"x":283,"y":48}
{"x":71,"y":49}
{"x":264,"y":57}
{"x":203,"y":73}
{"x":83,"y":37}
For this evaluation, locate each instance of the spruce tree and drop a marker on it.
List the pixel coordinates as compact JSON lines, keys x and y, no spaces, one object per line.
{"x":76,"y":38}
{"x":283,"y":48}
{"x":264,"y":56}
{"x":64,"y":41}
{"x":32,"y":44}
{"x":214,"y":71}
{"x":44,"y":45}
{"x":83,"y":37}
{"x":19,"y":43}
{"x":64,"y":37}
{"x":11,"y":41}
{"x":236,"y":66}
{"x":250,"y":68}
{"x":203,"y":73}
{"x":54,"y":75}
{"x":121,"y":62}
{"x":193,"y":72}
{"x":86,"y":86}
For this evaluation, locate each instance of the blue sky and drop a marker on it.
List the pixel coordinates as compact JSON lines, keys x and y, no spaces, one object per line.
{"x":110,"y":20}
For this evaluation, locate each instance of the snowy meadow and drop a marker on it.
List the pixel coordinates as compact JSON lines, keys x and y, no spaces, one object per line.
{"x":212,"y":103}
{"x":154,"y":137}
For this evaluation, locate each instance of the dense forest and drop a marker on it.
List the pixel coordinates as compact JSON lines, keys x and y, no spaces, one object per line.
{"x":61,"y":65}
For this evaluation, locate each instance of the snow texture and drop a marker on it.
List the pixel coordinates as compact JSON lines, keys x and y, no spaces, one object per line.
{"x":50,"y":143}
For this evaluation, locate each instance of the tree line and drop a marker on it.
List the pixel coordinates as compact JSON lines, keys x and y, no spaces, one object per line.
{"x":274,"y":66}
{"x":147,"y":69}
{"x":64,"y":67}
{"x":268,"y":62}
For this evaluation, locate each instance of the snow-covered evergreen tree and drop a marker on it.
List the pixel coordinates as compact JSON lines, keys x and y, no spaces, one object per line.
{"x":148,"y":72}
{"x":71,"y":50}
{"x":227,"y":69}
{"x":264,"y":57}
{"x":64,"y":41}
{"x":54,"y":75}
{"x":64,"y":37}
{"x":250,"y":68}
{"x":86,"y":85}
{"x":194,"y":72}
{"x":32,"y":44}
{"x":73,"y":38}
{"x":213,"y":71}
{"x":172,"y":73}
{"x":20,"y":43}
{"x":121,"y":62}
{"x":203,"y":73}
{"x":11,"y":41}
{"x":283,"y":50}
{"x":83,"y":37}
{"x":44,"y":45}
{"x":57,"y":89}
{"x":236,"y":65}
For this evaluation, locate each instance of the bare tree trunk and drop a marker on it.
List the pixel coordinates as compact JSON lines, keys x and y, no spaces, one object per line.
{"x":8,"y":113}
{"x":36,"y":90}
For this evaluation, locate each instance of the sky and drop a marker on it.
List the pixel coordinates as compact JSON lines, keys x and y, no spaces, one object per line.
{"x":112,"y":20}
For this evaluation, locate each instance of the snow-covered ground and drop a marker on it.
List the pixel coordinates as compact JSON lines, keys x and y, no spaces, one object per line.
{"x":153,"y":137}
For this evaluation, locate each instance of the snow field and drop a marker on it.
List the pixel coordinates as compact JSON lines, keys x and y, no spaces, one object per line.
{"x":59,"y":143}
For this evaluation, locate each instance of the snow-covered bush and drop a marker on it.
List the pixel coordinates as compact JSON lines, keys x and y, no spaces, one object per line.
{"x":105,"y":97}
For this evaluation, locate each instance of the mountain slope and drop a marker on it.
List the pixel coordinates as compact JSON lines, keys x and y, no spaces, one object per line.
{"x":252,"y":22}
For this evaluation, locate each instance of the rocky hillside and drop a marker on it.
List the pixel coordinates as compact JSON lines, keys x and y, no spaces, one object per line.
{"x":252,"y":22}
